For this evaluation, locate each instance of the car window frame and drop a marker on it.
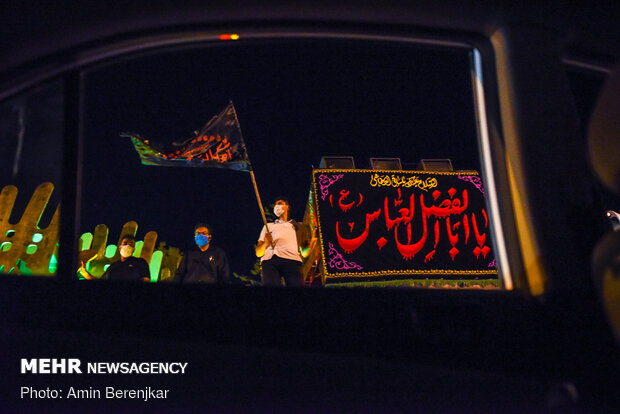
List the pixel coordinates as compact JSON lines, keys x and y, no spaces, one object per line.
{"x":71,"y":66}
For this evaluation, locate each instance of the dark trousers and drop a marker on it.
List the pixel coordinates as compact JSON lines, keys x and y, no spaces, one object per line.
{"x":277,"y":268}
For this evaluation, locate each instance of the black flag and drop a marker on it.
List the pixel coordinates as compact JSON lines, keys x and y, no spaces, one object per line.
{"x":219,"y":144}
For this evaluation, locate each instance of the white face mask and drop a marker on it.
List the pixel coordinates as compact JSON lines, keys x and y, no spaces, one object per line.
{"x":278,"y":210}
{"x":126,"y":250}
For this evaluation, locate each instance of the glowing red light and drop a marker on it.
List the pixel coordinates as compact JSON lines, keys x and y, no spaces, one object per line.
{"x":227,"y":36}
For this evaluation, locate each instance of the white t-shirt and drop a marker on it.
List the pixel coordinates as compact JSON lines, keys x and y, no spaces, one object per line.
{"x":284,"y":240}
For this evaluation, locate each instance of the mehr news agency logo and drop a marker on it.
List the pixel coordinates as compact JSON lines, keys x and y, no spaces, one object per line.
{"x":74,"y":366}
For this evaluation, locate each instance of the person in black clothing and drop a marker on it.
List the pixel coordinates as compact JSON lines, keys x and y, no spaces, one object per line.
{"x":207,"y":264}
{"x":128,"y":268}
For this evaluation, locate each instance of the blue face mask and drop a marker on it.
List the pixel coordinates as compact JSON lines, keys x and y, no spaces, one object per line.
{"x":201,"y":240}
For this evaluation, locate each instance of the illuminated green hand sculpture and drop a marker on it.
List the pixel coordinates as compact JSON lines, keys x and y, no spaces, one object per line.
{"x":97,"y":255}
{"x":24,"y":247}
{"x":27,"y":249}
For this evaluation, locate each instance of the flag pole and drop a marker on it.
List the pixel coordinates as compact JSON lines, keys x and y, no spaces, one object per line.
{"x":260,"y":204}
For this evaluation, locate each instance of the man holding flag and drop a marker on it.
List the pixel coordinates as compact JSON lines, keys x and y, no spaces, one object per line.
{"x":278,"y":248}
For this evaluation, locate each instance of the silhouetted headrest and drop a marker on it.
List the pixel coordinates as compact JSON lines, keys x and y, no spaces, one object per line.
{"x":604,"y":134}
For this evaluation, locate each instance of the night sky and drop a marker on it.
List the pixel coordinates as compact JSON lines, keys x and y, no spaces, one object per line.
{"x":296,"y":101}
